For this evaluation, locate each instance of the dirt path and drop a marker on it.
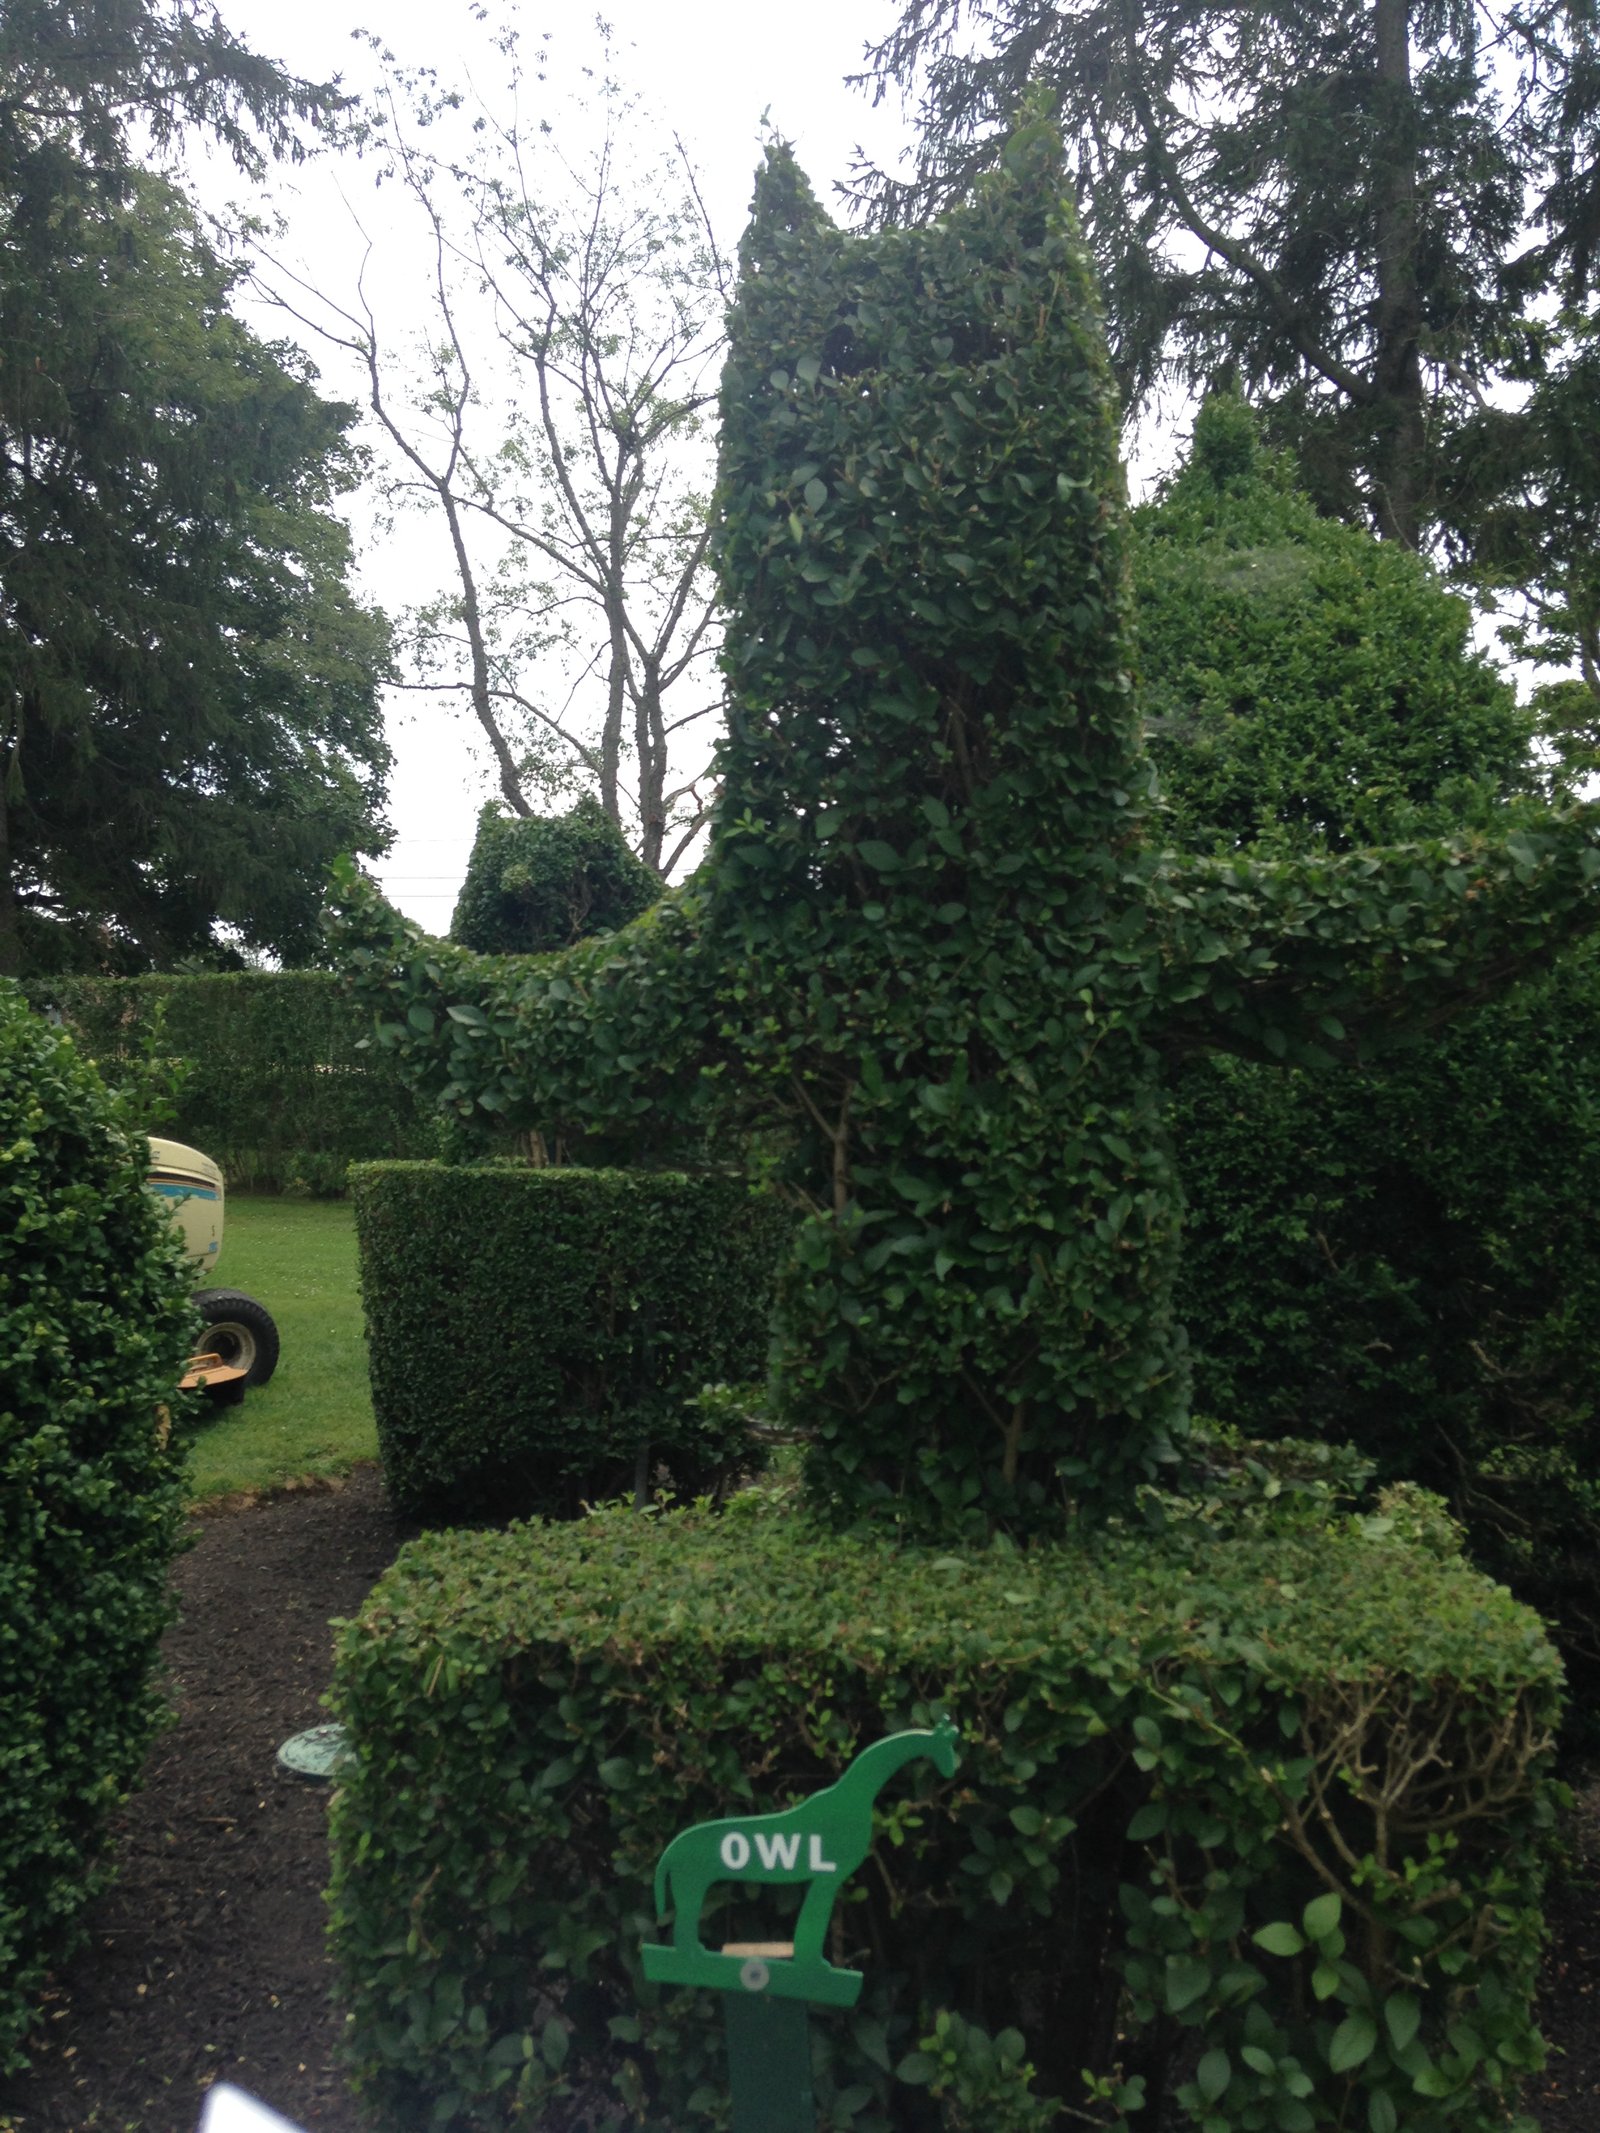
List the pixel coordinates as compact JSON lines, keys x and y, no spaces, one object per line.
{"x":206,"y":1959}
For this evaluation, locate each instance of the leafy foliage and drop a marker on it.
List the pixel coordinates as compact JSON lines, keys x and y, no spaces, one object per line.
{"x":1404,"y":1256}
{"x":95,"y":1323}
{"x":1261,"y":1795}
{"x":929,"y":944}
{"x":537,"y":1337}
{"x":1301,"y":681}
{"x":536,"y":883}
{"x":275,"y":1083}
{"x":189,"y":727}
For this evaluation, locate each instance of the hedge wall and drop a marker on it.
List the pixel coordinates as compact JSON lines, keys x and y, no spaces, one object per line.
{"x":95,"y":1322}
{"x":1251,"y":1814}
{"x":1408,"y":1258}
{"x":531,"y":1333}
{"x":279,"y":1094}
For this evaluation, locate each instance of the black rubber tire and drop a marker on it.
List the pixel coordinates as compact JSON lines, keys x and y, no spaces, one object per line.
{"x":229,"y":1395}
{"x":240,"y":1330}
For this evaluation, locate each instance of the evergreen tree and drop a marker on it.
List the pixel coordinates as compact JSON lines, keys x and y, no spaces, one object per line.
{"x":1354,"y":212}
{"x":189,"y":728}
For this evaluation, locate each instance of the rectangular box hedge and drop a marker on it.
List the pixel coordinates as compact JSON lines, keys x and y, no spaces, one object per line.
{"x":1253,"y":1817}
{"x":537,"y":1338}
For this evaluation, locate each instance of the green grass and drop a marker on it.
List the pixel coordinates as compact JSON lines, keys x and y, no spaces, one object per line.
{"x":315,"y":1418}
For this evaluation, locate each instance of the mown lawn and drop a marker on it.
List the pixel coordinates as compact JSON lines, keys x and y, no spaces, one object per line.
{"x":315,"y":1418}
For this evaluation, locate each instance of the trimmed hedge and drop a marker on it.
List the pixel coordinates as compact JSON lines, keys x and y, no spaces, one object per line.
{"x":531,"y":1334}
{"x":278,"y":1093}
{"x":1407,"y":1258}
{"x":95,"y":1322}
{"x":1407,"y":1255}
{"x":1250,"y":1808}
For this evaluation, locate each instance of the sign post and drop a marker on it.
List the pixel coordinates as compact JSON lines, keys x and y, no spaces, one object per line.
{"x":768,"y":1986}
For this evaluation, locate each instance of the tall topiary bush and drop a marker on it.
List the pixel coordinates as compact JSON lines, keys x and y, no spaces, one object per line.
{"x":538,"y":882}
{"x":934,"y":951}
{"x":1406,"y":1256}
{"x":95,"y":1322}
{"x":930,"y":946}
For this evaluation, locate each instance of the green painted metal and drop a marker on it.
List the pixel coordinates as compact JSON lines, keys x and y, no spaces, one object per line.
{"x":316,"y":1753}
{"x":769,"y":2064}
{"x":817,"y":1843}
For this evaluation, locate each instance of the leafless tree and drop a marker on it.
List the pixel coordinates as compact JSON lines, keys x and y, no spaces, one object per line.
{"x":557,"y":427}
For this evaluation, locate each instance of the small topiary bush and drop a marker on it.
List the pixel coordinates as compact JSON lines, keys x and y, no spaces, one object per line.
{"x":1249,"y":1811}
{"x":534,"y":1334}
{"x":538,"y":882}
{"x":95,"y":1322}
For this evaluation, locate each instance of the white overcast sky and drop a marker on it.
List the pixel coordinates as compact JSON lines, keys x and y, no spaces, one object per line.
{"x":711,"y":72}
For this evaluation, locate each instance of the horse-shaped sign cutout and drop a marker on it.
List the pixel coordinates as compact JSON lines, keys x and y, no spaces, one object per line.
{"x":818,"y":1842}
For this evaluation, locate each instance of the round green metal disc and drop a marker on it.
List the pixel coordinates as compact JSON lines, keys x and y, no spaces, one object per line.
{"x":316,"y":1753}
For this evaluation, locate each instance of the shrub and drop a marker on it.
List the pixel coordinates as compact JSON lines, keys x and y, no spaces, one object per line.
{"x":930,"y":949}
{"x":533,"y":1335}
{"x":95,"y":1322}
{"x":1406,"y":1256}
{"x":280,"y":1092}
{"x":1258,"y":1796}
{"x":1302,"y":680}
{"x":539,"y":882}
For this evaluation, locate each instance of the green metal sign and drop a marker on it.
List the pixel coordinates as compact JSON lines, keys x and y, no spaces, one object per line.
{"x":817,"y":1844}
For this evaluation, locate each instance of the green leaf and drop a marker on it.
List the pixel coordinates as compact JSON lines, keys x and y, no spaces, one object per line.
{"x":1402,"y":2017}
{"x":1280,"y":1938}
{"x":1382,"y":2115}
{"x":1432,"y":2081}
{"x":1148,"y":1821}
{"x":1321,"y":1916}
{"x":1213,"y":2074}
{"x":1188,"y":1978}
{"x":881,"y":857}
{"x":1353,"y":2042}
